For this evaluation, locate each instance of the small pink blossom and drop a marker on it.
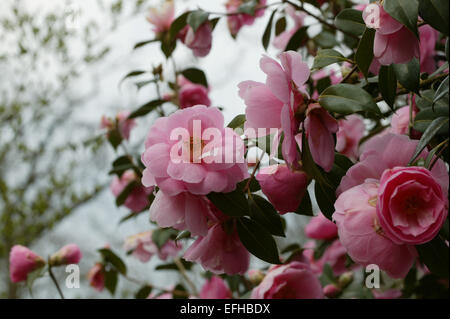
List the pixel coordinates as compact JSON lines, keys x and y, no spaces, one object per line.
{"x":121,"y":123}
{"x":96,"y":277}
{"x":200,"y":41}
{"x":191,"y":94}
{"x":283,"y":187}
{"x":401,"y":119}
{"x":289,"y":281}
{"x":331,"y":290}
{"x":215,"y":288}
{"x":428,"y":39}
{"x":412,"y":206}
{"x":334,"y":255}
{"x":22,"y":261}
{"x":281,"y":41}
{"x":162,"y":17}
{"x":351,"y":130}
{"x":237,"y":21}
{"x":69,"y":254}
{"x":137,"y":200}
{"x":320,"y":227}
{"x":143,"y":248}
{"x":361,"y":234}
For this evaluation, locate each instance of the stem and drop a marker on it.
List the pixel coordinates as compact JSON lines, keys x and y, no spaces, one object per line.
{"x":52,"y":276}
{"x":227,"y":14}
{"x":438,"y":155}
{"x":254,"y":172}
{"x":183,"y":272}
{"x":349,"y":74}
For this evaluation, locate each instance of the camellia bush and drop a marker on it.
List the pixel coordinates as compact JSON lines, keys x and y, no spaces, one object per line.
{"x":353,"y":120}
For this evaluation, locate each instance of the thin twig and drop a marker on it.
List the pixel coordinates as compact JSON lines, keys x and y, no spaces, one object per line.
{"x":52,"y":276}
{"x":183,"y":272}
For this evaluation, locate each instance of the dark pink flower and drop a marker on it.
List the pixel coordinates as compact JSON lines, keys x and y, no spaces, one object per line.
{"x":69,"y":254}
{"x":191,"y":94}
{"x":200,"y":41}
{"x":351,"y":130}
{"x":96,"y":277}
{"x":237,"y":21}
{"x":22,"y":261}
{"x":320,"y":227}
{"x":215,"y":288}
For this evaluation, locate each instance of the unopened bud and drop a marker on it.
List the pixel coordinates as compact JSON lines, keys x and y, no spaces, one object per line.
{"x":345,"y":279}
{"x":69,"y":254}
{"x":331,"y":291}
{"x":255,"y":276}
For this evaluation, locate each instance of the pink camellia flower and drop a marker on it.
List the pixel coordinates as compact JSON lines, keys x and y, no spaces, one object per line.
{"x":289,"y":281}
{"x":320,"y":227}
{"x":275,"y":103}
{"x":283,"y":187}
{"x":387,"y":294}
{"x":143,"y":248}
{"x":191,"y":94}
{"x":137,"y":200}
{"x":211,"y":159}
{"x":220,"y":251}
{"x":200,"y":41}
{"x":69,"y":254}
{"x":162,"y":17}
{"x":96,"y":277}
{"x":22,"y":261}
{"x":237,"y":21}
{"x":411,"y":205}
{"x":121,"y":122}
{"x":331,"y":290}
{"x":281,"y":41}
{"x":215,"y":288}
{"x":361,"y":234}
{"x":428,"y":39}
{"x":335,"y":256}
{"x":401,"y":119}
{"x":351,"y":130}
{"x":320,"y":126}
{"x":394,"y":43}
{"x":381,"y":153}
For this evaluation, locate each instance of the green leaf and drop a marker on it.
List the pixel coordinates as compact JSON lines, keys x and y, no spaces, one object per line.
{"x":280,"y":26}
{"x":298,"y":39}
{"x":144,"y":292}
{"x":195,"y":76}
{"x":232,"y":204}
{"x":161,"y":236}
{"x":110,"y":257}
{"x":122,"y":164}
{"x":435,"y":255}
{"x":350,"y":21}
{"x":248,"y":7}
{"x":238,"y":121}
{"x":265,"y":214}
{"x":404,"y":11}
{"x":172,"y":266}
{"x":111,"y":279}
{"x":183,"y":235}
{"x":408,"y":75}
{"x":133,"y":74}
{"x":196,"y":18}
{"x":146,"y":108}
{"x":168,"y":45}
{"x":441,"y":91}
{"x":326,"y":57}
{"x":347,"y":99}
{"x":387,"y":82}
{"x":305,"y":207}
{"x":253,"y":186}
{"x":268,"y":31}
{"x":177,"y":25}
{"x":120,"y":200}
{"x":257,"y":240}
{"x":424,"y":118}
{"x":325,"y":40}
{"x":114,"y":137}
{"x":325,"y":197}
{"x":435,"y":13}
{"x":143,"y":43}
{"x":364,"y":53}
{"x":430,"y":132}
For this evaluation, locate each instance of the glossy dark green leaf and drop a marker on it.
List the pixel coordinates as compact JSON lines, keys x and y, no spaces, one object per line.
{"x":387,"y":82}
{"x":177,"y":25}
{"x":305,"y":207}
{"x":441,"y":91}
{"x":110,"y":257}
{"x":172,"y":266}
{"x":404,"y":11}
{"x":435,"y":255}
{"x":120,"y":200}
{"x":326,"y":57}
{"x":144,"y":292}
{"x":146,"y":108}
{"x":350,"y":21}
{"x":161,"y":236}
{"x":326,"y":40}
{"x":408,"y":75}
{"x":238,"y":121}
{"x":122,"y":164}
{"x":196,"y":18}
{"x":265,"y":214}
{"x":297,"y":40}
{"x":195,"y":76}
{"x":257,"y":240}
{"x":144,"y":43}
{"x":435,"y":13}
{"x":347,"y":99}
{"x":364,"y":53}
{"x":424,"y":118}
{"x":111,"y":280}
{"x":268,"y":31}
{"x":231,"y":204}
{"x":280,"y":26}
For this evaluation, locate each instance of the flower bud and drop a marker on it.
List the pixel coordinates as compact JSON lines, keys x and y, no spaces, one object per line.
{"x":331,"y":291}
{"x":22,"y":261}
{"x":345,"y":279}
{"x":69,"y":254}
{"x":255,"y":276}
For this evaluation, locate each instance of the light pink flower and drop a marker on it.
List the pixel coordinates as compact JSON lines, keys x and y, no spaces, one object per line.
{"x":411,"y":206}
{"x":289,"y":281}
{"x":400,"y":120}
{"x":121,"y":122}
{"x":137,"y":200}
{"x":320,"y":227}
{"x":275,"y":103}
{"x":96,"y":277}
{"x":428,"y":39}
{"x":22,"y":261}
{"x":394,"y":43}
{"x":162,"y":17}
{"x":360,"y":232}
{"x":283,"y":187}
{"x":215,"y":288}
{"x":210,"y":163}
{"x":381,"y":153}
{"x":220,"y":251}
{"x":200,"y":41}
{"x":143,"y":248}
{"x":191,"y":94}
{"x":281,"y":41}
{"x":69,"y":254}
{"x":320,"y":126}
{"x":351,"y":130}
{"x":237,"y":21}
{"x":334,"y":255}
